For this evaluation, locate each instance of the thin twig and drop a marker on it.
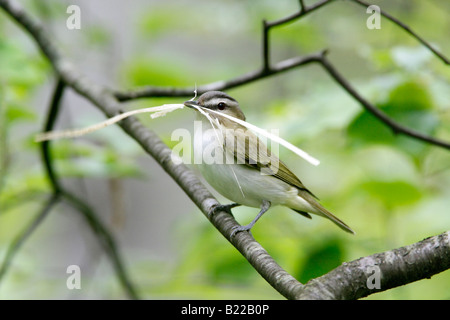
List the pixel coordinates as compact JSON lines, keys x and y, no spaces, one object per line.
{"x":150,"y":142}
{"x":302,"y":5}
{"x":266,"y":70}
{"x":106,"y":240}
{"x":265,"y":49}
{"x":304,"y":10}
{"x":408,"y":30}
{"x":49,"y":124}
{"x":94,"y":222}
{"x":288,"y":64}
{"x":20,"y":238}
{"x":280,"y":67}
{"x":395,"y":126}
{"x":23,"y":236}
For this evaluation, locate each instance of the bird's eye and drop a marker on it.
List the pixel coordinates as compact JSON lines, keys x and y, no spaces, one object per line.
{"x":221,"y":106}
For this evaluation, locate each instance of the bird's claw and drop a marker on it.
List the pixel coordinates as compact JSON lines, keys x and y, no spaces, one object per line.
{"x":223,"y":207}
{"x":237,"y":229}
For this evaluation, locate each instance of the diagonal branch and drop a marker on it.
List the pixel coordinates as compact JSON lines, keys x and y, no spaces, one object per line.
{"x":282,"y":281}
{"x":396,"y":267}
{"x":154,"y":92}
{"x":396,"y":127}
{"x":103,"y":235}
{"x":264,"y":264}
{"x":21,"y":237}
{"x":304,"y":10}
{"x":106,"y":102}
{"x":52,"y":201}
{"x":59,"y":193}
{"x":411,"y":32}
{"x":267,"y":26}
{"x":268,"y":70}
{"x":106,"y":240}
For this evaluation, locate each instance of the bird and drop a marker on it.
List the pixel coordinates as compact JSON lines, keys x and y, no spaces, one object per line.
{"x":239,"y":166}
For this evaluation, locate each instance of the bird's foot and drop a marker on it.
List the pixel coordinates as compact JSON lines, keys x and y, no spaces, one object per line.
{"x":223,"y":207}
{"x":264,"y":207}
{"x":237,"y":229}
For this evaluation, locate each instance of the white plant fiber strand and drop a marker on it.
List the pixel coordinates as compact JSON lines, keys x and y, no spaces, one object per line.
{"x":216,"y":126}
{"x":273,"y":137}
{"x":160,"y":111}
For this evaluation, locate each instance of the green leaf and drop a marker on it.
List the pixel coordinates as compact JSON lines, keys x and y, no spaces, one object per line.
{"x":409,"y":96}
{"x":366,"y":128}
{"x":408,"y":104}
{"x":18,"y":113}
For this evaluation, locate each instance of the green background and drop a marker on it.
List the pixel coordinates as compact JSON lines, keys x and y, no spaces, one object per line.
{"x":392,"y":190}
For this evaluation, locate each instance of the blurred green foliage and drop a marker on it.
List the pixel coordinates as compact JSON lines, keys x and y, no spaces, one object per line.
{"x":410,"y":104}
{"x":391,"y":189}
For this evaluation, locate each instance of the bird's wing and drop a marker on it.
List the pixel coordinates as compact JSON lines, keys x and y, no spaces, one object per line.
{"x":249,"y":150}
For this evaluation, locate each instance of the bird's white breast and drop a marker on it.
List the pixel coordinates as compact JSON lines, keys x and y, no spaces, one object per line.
{"x":237,"y":182}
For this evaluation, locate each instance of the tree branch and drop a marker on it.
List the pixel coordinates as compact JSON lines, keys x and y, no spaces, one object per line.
{"x":396,"y":267}
{"x":20,"y":239}
{"x":267,"y":70}
{"x":106,"y":240}
{"x":49,"y":124}
{"x":105,"y":101}
{"x":103,"y":235}
{"x":154,"y":92}
{"x":408,"y":30}
{"x":25,"y":234}
{"x":304,"y":10}
{"x":380,"y":115}
{"x":283,"y":282}
{"x":59,"y":193}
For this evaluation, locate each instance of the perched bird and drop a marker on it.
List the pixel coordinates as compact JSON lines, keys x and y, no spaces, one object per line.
{"x":236,"y":163}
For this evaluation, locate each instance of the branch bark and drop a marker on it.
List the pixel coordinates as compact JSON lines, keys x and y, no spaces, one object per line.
{"x":398,"y":266}
{"x":156,"y":92}
{"x":268,"y":70}
{"x":21,"y":237}
{"x":396,"y":127}
{"x":103,"y":235}
{"x":150,"y":142}
{"x":411,"y":32}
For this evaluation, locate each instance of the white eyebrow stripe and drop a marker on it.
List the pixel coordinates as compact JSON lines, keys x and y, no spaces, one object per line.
{"x":216,"y":101}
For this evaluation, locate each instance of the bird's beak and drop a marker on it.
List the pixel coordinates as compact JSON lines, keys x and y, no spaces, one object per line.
{"x":191,"y":104}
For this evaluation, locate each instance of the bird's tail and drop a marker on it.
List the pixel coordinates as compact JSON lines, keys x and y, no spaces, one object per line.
{"x":341,"y":224}
{"x":318,"y":209}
